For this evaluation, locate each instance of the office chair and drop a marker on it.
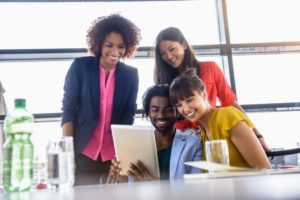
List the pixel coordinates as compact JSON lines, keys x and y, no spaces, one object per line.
{"x":284,"y":158}
{"x":283,"y":152}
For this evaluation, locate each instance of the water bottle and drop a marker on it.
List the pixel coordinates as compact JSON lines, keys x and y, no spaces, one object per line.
{"x":18,"y":149}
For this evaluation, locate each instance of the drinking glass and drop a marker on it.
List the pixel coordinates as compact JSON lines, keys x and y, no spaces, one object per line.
{"x":60,"y":155}
{"x":217,"y":151}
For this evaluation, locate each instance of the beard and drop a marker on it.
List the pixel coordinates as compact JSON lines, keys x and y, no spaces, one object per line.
{"x":164,"y":129}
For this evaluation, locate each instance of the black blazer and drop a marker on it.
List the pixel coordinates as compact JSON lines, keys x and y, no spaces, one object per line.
{"x":82,"y":96}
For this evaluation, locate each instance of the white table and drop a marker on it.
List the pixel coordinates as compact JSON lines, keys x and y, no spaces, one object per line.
{"x":280,"y":186}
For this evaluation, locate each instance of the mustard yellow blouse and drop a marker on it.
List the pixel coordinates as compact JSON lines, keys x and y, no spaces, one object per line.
{"x":222,"y":120}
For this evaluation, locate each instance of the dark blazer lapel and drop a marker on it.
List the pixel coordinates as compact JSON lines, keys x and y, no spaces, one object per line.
{"x":95,"y":84}
{"x":120,"y":83}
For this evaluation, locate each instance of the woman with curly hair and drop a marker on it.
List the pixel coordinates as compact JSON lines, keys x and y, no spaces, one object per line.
{"x":100,"y":90}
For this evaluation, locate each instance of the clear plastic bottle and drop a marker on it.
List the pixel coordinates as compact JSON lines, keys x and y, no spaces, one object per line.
{"x":18,"y":149}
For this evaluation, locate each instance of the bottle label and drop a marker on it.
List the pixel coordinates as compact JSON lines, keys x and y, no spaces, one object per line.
{"x":21,"y":128}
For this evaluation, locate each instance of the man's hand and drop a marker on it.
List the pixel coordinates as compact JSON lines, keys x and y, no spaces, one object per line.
{"x":114,"y":174}
{"x":139,"y":172}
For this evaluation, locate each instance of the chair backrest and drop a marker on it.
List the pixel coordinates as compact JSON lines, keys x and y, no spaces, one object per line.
{"x":284,"y":158}
{"x":283,"y":152}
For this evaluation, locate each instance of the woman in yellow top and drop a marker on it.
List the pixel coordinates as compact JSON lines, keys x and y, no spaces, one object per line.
{"x":188,"y":95}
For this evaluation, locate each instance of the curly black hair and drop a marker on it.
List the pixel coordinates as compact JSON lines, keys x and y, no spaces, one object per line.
{"x":113,"y":23}
{"x":153,"y":91}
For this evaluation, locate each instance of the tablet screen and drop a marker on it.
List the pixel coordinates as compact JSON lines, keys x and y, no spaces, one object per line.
{"x":134,"y":143}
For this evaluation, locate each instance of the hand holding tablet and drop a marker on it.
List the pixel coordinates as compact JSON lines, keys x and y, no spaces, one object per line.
{"x":135,"y":143}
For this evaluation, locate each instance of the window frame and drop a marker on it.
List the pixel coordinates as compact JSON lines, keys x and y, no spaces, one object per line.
{"x":225,"y":49}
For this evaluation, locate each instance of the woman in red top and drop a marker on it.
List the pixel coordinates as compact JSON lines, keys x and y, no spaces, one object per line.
{"x":173,"y":55}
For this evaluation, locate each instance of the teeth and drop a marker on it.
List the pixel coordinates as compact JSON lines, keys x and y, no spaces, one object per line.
{"x":161,"y":122}
{"x":173,"y":60}
{"x":113,"y":57}
{"x":190,"y":114}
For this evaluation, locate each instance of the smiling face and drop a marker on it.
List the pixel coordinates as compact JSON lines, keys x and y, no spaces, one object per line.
{"x":113,"y":49}
{"x":162,"y":115}
{"x":194,"y":107}
{"x":172,"y":52}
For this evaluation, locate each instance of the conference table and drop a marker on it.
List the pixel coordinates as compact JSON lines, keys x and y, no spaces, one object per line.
{"x":279,"y":186}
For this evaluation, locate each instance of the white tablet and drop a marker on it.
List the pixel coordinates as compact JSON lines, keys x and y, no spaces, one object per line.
{"x":134,"y":143}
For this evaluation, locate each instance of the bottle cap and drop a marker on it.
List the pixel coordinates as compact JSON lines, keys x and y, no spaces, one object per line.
{"x":20,"y":103}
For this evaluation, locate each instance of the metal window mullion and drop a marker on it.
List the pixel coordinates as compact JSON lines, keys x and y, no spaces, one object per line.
{"x":226,"y":52}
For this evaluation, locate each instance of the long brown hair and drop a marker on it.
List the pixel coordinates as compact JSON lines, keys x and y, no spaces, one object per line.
{"x":164,"y":73}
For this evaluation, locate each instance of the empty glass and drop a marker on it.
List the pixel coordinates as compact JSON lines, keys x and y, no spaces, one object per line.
{"x":217,"y":151}
{"x":60,"y":156}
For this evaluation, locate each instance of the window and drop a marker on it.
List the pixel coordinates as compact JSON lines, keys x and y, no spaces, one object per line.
{"x":262,"y":79}
{"x":64,"y":24}
{"x":40,"y":82}
{"x":259,"y":56}
{"x":263,"y":21}
{"x":60,"y":25}
{"x":280,"y":129}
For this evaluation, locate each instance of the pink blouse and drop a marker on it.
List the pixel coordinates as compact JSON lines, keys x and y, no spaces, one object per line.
{"x":101,"y":141}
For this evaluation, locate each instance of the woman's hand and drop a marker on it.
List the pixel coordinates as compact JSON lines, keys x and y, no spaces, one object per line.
{"x":139,"y":172}
{"x":114,"y":174}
